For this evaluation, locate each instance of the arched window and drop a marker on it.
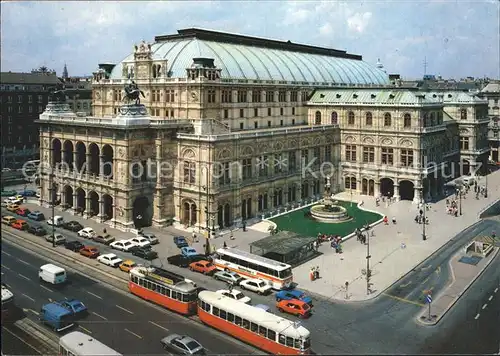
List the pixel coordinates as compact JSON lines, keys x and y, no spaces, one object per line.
{"x":350,"y":183}
{"x":407,"y":120}
{"x":350,"y":118}
{"x":432,"y":119}
{"x":335,"y":119}
{"x":426,"y":120}
{"x":463,"y":114}
{"x":387,"y":119}
{"x":317,"y":119}
{"x":369,"y":119}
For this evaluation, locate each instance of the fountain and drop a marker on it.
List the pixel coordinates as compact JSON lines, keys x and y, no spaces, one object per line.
{"x":329,"y":211}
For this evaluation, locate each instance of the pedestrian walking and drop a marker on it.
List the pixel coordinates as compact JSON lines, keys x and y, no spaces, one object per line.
{"x":224,"y":245}
{"x":394,"y":220}
{"x":386,"y":220}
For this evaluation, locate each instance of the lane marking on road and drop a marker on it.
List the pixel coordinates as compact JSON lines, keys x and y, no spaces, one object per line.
{"x":484,"y":306}
{"x":405,"y":285}
{"x":139,"y":336}
{"x":95,"y":295}
{"x":23,"y":276}
{"x":4,"y":266}
{"x":85,"y":329}
{"x":8,"y":286}
{"x":27,"y":296}
{"x":490,"y":298}
{"x":50,"y":290}
{"x":404,"y":300}
{"x":122,"y":308}
{"x":496,"y":290}
{"x":426,"y":280}
{"x":477,"y":316}
{"x":5,"y":253}
{"x":99,"y":315}
{"x":426,"y":267}
{"x":50,"y":300}
{"x":161,"y":327}
{"x":31,"y":310}
{"x":17,"y":337}
{"x":23,"y":261}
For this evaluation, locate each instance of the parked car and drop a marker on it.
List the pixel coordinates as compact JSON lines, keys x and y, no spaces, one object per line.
{"x":87,"y":232}
{"x":36,"y":215}
{"x":122,"y":245}
{"x":37,"y":230}
{"x":189,"y":251}
{"x":256,"y":285}
{"x":14,"y":200}
{"x":293,"y":294}
{"x":140,"y":241}
{"x":89,"y":251}
{"x":28,"y":193}
{"x":180,"y":241}
{"x":144,"y":252}
{"x":8,"y":193}
{"x":236,"y":295}
{"x":58,"y":239}
{"x":106,"y":239}
{"x":127,"y":265}
{"x":110,"y":259}
{"x":150,"y":237}
{"x":74,"y":246}
{"x":183,"y":261}
{"x":8,"y":220}
{"x":20,"y":225}
{"x":12,"y":207}
{"x":295,"y":307}
{"x":182,"y":345}
{"x":74,"y":306}
{"x":22,"y":211}
{"x":56,"y":220}
{"x":203,"y":266}
{"x":72,"y":226}
{"x":228,"y":277}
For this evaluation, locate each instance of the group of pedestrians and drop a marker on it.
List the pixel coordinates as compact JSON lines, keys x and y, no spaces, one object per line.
{"x":335,"y":242}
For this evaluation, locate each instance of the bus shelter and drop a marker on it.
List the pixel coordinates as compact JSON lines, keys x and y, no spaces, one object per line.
{"x":286,"y":247}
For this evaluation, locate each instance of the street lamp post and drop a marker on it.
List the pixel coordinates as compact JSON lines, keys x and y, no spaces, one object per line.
{"x":53,"y":203}
{"x":424,"y":208}
{"x":486,"y":183}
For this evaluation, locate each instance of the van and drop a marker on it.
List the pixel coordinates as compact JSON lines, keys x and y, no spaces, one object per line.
{"x":8,"y":220}
{"x":52,"y":274}
{"x":56,"y":220}
{"x":56,"y":316}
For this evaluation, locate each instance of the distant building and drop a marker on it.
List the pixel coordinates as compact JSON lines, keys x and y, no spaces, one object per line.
{"x":79,"y":94}
{"x":23,"y":97}
{"x":491,"y":92}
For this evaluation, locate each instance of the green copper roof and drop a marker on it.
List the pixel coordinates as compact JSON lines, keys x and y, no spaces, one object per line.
{"x":243,"y":61}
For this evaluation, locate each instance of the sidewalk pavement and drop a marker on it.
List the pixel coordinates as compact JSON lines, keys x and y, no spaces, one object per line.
{"x":463,"y":276}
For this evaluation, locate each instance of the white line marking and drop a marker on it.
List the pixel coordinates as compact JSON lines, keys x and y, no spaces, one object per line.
{"x":490,"y":298}
{"x":139,"y":336}
{"x":161,"y":327}
{"x":5,"y":253}
{"x":84,"y":329}
{"x":99,"y":315}
{"x":122,"y":308}
{"x":477,"y":316}
{"x":23,"y":261}
{"x":3,"y":266}
{"x":23,"y":276}
{"x":17,"y":337}
{"x":50,"y":290}
{"x":484,"y":306}
{"x":496,"y":290}
{"x":28,"y":297}
{"x":8,"y":286}
{"x":95,"y":295}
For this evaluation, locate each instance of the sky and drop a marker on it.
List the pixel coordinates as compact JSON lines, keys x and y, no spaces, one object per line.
{"x":456,"y":39}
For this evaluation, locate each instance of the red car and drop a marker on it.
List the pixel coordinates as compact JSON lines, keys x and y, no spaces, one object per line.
{"x":295,"y":307}
{"x":203,"y":266}
{"x":23,"y":211}
{"x":20,"y":225}
{"x":89,"y":251}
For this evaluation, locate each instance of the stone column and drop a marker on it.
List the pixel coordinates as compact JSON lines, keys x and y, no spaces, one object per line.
{"x":75,"y":203}
{"x":87,"y":163}
{"x":75,"y":155}
{"x":88,"y":207}
{"x":377,"y":188}
{"x":101,"y":165}
{"x":396,"y":192}
{"x":101,"y":210}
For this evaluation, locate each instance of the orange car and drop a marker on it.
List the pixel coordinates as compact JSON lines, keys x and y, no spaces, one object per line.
{"x":127,"y":265}
{"x":89,"y":251}
{"x":295,"y":307}
{"x":23,"y":211}
{"x":20,"y":225}
{"x":203,"y":266}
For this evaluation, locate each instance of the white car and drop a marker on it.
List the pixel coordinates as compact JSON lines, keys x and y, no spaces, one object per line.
{"x":122,"y":245}
{"x":236,"y":295}
{"x":140,"y":241}
{"x":87,"y":232}
{"x":56,"y":221}
{"x":256,"y":285}
{"x":13,"y":200}
{"x":110,"y":259}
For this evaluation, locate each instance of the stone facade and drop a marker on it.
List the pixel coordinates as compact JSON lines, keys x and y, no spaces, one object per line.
{"x":491,"y":92}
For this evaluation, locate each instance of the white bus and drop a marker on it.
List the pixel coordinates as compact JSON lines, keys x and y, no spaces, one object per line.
{"x":246,"y":264}
{"x":77,"y":343}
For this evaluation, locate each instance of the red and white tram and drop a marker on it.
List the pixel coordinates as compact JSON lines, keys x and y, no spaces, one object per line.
{"x":164,"y":288}
{"x":255,"y":326}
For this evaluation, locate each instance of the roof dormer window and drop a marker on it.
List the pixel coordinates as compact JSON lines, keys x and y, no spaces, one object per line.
{"x":392,"y":96}
{"x":355,"y":96}
{"x":338,"y":96}
{"x":449,"y":95}
{"x":373,"y":96}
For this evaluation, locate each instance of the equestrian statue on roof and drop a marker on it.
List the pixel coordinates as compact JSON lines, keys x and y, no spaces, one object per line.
{"x":58,"y":94}
{"x":132,"y":92}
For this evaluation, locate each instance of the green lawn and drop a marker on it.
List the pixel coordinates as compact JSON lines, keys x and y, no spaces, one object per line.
{"x":297,"y":222}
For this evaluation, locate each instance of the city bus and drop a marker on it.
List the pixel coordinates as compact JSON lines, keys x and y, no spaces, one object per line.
{"x":264,"y":330}
{"x":164,"y":288}
{"x":77,"y":343}
{"x":277,"y":274}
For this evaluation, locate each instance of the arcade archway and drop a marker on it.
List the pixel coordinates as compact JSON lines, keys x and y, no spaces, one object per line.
{"x":107,"y":158}
{"x":93,"y":165}
{"x":368,"y":186}
{"x":81,"y":156}
{"x":107,"y":207}
{"x":142,"y":212}
{"x":80,"y":199}
{"x":68,"y":154}
{"x":406,"y":190}
{"x":387,"y":187}
{"x":68,"y":196}
{"x":56,"y":152}
{"x":94,"y":203}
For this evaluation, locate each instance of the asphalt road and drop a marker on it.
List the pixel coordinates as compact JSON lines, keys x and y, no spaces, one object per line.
{"x":128,"y":325}
{"x":384,"y":325}
{"x":18,"y":342}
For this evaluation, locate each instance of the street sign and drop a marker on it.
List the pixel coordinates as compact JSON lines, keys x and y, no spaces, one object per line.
{"x":428,"y":298}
